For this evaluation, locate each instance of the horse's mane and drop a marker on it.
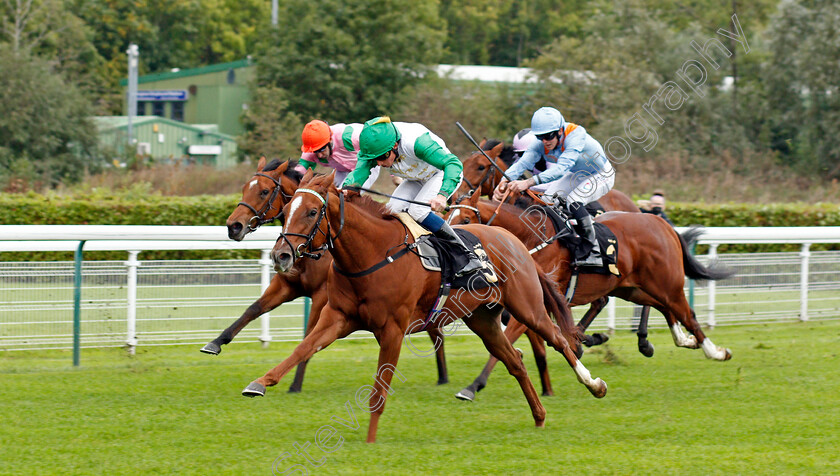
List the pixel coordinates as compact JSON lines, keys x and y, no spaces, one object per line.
{"x":290,"y":170}
{"x":365,"y":204}
{"x":506,"y":155}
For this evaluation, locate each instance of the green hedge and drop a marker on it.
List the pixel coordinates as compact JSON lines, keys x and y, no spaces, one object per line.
{"x":138,"y":207}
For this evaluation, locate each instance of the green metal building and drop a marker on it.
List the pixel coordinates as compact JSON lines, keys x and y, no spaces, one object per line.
{"x":215,"y":94}
{"x":168,"y":141}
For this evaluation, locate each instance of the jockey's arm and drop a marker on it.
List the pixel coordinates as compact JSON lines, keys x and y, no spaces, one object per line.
{"x":431,"y":152}
{"x":360,"y":174}
{"x":573,"y":148}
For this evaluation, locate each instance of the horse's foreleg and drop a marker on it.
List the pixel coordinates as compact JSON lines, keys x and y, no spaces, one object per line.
{"x":584,"y":323}
{"x":278,"y":292}
{"x":645,"y":347}
{"x":319,"y":300}
{"x":512,"y":332}
{"x":538,"y":346}
{"x":332,"y":325}
{"x":390,"y":342}
{"x":709,"y":348}
{"x":436,"y":335}
{"x":497,"y":344}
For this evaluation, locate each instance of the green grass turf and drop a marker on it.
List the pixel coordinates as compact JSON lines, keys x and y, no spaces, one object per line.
{"x":772,"y":409}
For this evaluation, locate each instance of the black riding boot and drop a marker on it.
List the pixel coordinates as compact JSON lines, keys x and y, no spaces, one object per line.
{"x":587,"y":231}
{"x":447,"y":233}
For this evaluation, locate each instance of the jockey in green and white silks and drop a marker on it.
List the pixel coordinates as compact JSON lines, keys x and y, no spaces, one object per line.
{"x":430,"y":173}
{"x":577,"y":169}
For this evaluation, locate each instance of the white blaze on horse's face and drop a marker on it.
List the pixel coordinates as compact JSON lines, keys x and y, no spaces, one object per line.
{"x":253,"y":183}
{"x":454,"y":216}
{"x":295,"y":205}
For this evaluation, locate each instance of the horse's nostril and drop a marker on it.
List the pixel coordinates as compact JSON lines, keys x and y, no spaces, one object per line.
{"x":285,"y":256}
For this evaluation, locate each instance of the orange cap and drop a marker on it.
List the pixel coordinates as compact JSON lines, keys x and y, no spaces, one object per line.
{"x":316,"y":134}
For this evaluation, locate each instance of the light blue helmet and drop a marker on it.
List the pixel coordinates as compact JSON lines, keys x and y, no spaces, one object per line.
{"x":547,"y":119}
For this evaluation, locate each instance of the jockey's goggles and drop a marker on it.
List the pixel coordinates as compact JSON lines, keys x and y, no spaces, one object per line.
{"x":547,"y":136}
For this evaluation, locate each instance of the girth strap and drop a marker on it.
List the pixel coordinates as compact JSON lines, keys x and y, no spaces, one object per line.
{"x":377,"y":266}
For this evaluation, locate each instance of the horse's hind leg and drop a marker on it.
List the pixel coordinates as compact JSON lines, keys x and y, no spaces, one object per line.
{"x":440,"y":357}
{"x":512,"y":332}
{"x":486,"y":326}
{"x":524,"y":310}
{"x":278,"y":292}
{"x":538,"y":346}
{"x":712,"y":351}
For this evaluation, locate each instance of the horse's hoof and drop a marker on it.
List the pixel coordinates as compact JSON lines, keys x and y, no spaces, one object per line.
{"x":211,"y":348}
{"x":465,"y":394}
{"x":600,"y":388}
{"x":646,"y":349}
{"x":601,"y":338}
{"x":728,"y":354}
{"x":254,"y":389}
{"x":539,"y":423}
{"x":294,"y":389}
{"x":547,"y":393}
{"x":443,"y":381}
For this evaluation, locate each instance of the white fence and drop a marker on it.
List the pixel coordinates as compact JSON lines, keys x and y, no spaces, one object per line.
{"x":139,"y":302}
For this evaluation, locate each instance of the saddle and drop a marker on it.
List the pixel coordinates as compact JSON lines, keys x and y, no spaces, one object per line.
{"x":581,"y":248}
{"x":445,"y":258}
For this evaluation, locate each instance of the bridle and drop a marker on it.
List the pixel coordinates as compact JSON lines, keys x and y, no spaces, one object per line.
{"x":466,"y":207}
{"x":259,"y":216}
{"x":491,"y":172}
{"x":305,"y":248}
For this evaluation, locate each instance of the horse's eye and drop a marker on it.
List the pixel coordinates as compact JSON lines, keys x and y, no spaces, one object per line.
{"x":264,"y":192}
{"x":313,"y":212}
{"x":466,"y":221}
{"x":481,"y":167}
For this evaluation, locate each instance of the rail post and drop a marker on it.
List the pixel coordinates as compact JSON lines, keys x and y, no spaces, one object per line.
{"x":131,"y":313}
{"x":265,"y":280}
{"x":804,"y":256}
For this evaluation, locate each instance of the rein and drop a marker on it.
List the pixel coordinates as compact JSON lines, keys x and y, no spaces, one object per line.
{"x":259,"y":215}
{"x":305,"y":248}
{"x":374,"y":192}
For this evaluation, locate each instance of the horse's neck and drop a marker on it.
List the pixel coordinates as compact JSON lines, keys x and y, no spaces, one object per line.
{"x":525,"y":225}
{"x":364,"y":240}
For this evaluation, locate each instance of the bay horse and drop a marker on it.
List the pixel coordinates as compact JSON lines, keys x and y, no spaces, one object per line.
{"x":263,"y":198}
{"x":481,"y":175}
{"x":653,"y":260}
{"x":375,"y":284}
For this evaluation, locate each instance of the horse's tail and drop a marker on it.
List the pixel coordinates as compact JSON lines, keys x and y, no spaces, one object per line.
{"x":693,"y":268}
{"x":556,"y":305}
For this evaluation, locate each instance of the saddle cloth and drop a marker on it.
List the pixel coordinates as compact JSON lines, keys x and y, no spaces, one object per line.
{"x":581,"y":248}
{"x":430,"y":249}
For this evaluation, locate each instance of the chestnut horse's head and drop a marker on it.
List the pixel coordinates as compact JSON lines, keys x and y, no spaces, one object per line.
{"x":465,"y":210}
{"x":263,"y":198}
{"x":307,"y":230}
{"x":480,"y":173}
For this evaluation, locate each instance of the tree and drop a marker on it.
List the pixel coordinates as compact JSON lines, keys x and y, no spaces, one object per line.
{"x":46,"y":134}
{"x":802,"y":80}
{"x":348,"y":60}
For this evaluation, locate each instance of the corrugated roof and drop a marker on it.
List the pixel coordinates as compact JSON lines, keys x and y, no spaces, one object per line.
{"x":105,"y":123}
{"x":213,"y":68}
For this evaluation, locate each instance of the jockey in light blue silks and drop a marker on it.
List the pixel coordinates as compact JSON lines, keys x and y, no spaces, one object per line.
{"x":577,"y":170}
{"x":430,"y":174}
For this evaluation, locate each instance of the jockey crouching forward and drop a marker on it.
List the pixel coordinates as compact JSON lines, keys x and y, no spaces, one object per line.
{"x":429,"y":171}
{"x":581,"y":172}
{"x":334,"y":146}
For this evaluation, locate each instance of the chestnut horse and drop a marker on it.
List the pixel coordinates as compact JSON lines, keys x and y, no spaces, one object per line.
{"x":263,"y":198}
{"x":375,"y":284}
{"x":653,"y":260}
{"x":481,"y":175}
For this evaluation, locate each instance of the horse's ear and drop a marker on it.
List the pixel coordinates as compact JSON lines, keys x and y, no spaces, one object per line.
{"x":261,"y":164}
{"x":474,"y":198}
{"x":282,"y":168}
{"x":306,"y":177}
{"x":495,"y":151}
{"x":331,"y":176}
{"x":481,"y":144}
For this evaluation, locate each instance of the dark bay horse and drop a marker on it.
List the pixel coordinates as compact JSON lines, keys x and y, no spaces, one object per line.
{"x":481,"y":175}
{"x":263,"y":198}
{"x":375,"y":284}
{"x":653,"y":260}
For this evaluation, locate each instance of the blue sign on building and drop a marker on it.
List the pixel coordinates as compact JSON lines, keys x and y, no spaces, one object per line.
{"x":162,"y":95}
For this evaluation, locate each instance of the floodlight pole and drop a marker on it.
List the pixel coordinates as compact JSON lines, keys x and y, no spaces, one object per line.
{"x":274,"y":10}
{"x":133,"y":54}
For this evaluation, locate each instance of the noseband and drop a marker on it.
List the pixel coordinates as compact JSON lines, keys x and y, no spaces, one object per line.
{"x":259,"y":216}
{"x":305,"y":248}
